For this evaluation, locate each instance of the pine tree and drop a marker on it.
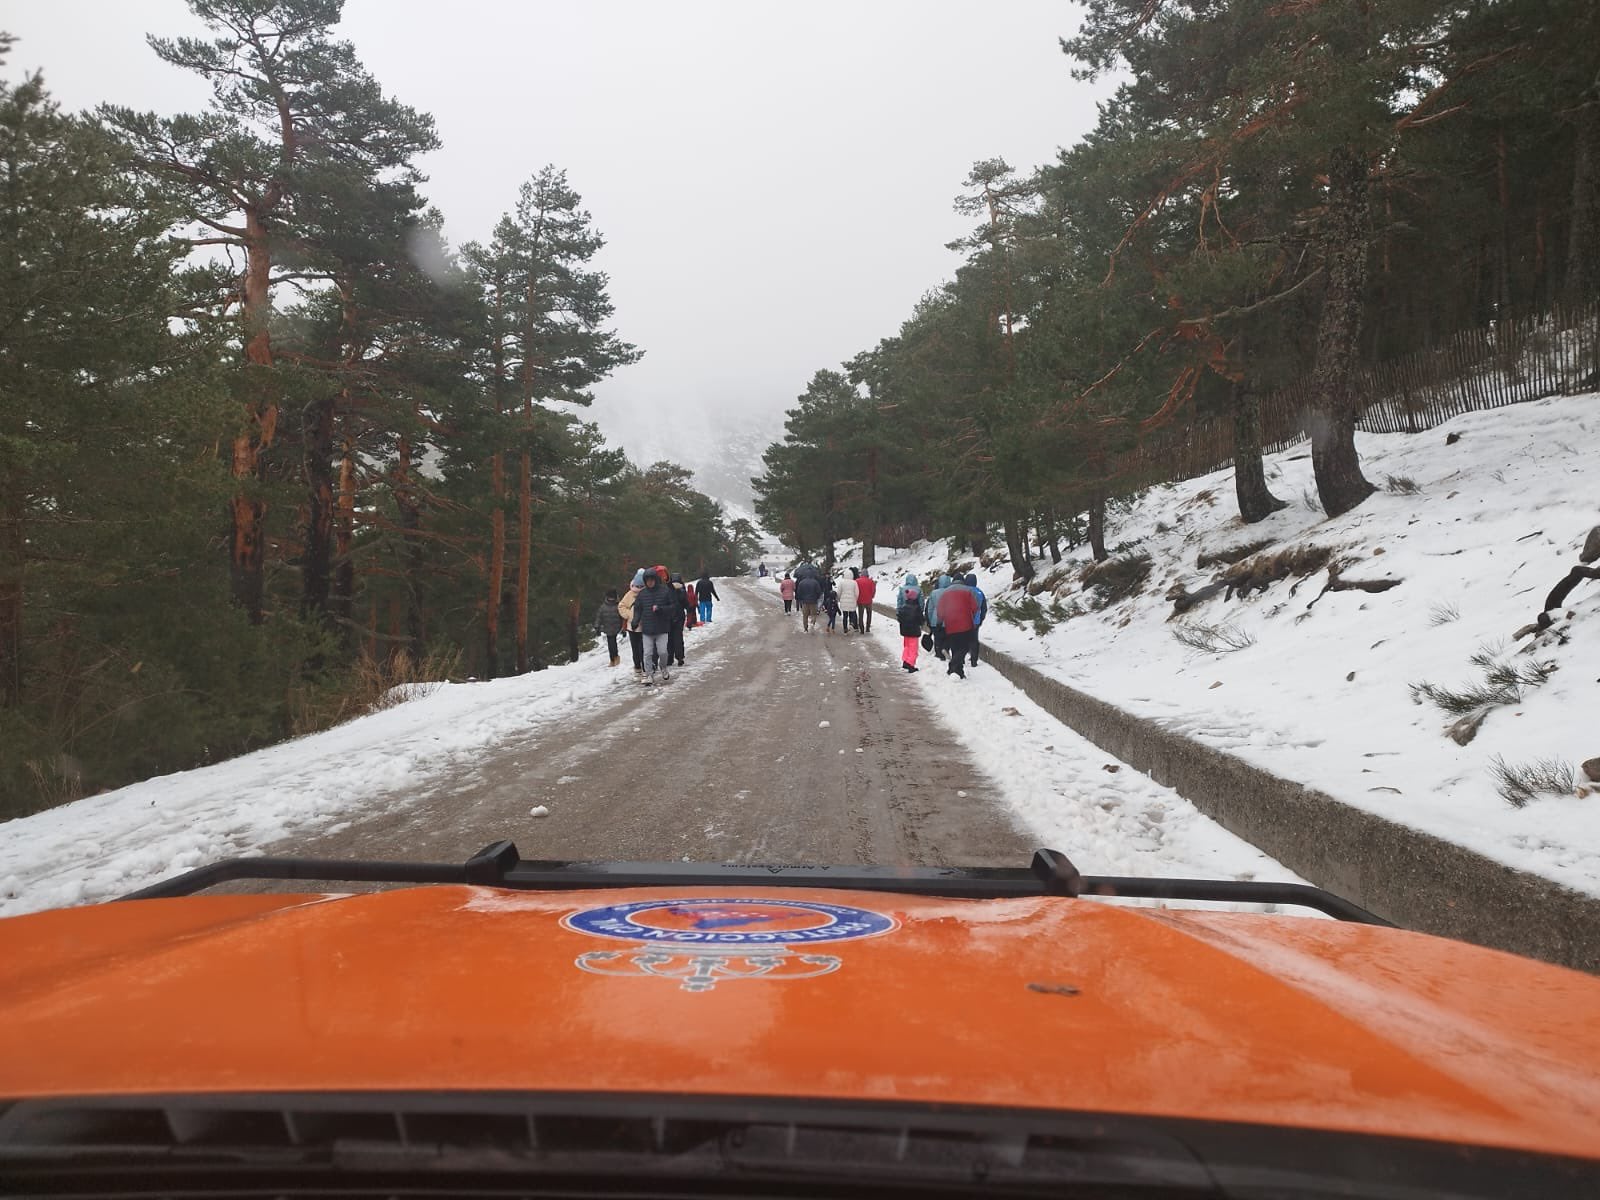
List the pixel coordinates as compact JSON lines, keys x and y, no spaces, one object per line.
{"x":548,"y":344}
{"x":294,"y":117}
{"x":108,"y":407}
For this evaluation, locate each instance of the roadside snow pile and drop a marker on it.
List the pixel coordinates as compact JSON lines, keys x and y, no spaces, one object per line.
{"x":107,"y":845}
{"x":1353,"y":691}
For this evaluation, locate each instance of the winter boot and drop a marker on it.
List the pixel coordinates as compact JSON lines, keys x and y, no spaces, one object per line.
{"x":616,"y":661}
{"x":666,"y":676}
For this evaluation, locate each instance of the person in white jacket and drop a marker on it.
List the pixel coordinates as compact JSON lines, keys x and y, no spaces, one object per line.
{"x":849,"y":600}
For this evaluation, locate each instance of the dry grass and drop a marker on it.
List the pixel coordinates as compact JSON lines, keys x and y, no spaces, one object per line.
{"x":1115,"y":579}
{"x":1231,"y":554}
{"x":1259,"y":573}
{"x":370,"y":686}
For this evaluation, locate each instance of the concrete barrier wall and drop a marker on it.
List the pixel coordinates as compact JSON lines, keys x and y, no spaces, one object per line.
{"x":1413,"y":878}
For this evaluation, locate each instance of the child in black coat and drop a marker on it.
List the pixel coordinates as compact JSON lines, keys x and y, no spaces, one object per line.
{"x":830,"y":604}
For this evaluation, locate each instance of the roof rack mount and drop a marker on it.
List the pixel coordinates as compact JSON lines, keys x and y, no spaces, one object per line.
{"x":499,"y":864}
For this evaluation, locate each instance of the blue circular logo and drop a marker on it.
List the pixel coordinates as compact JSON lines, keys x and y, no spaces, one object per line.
{"x":719,"y":922}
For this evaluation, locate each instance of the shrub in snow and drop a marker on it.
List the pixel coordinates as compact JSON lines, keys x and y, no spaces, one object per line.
{"x":1443,"y":614}
{"x":1503,"y":683}
{"x":1520,"y":783}
{"x":1213,"y":639}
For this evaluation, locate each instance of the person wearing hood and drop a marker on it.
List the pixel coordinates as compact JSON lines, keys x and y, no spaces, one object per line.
{"x":786,"y":590}
{"x":656,"y":608}
{"x":908,"y":610}
{"x":830,"y":604}
{"x":930,"y":610}
{"x":983,"y":611}
{"x":630,"y":622}
{"x":705,"y":592}
{"x":866,"y":592}
{"x":958,"y":617}
{"x":608,"y":623}
{"x":680,"y":596}
{"x":900,"y":592}
{"x":848,"y":600}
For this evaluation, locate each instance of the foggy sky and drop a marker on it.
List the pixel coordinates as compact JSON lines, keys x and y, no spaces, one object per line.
{"x":774,"y":181}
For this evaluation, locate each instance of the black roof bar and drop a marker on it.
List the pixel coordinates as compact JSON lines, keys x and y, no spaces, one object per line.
{"x":499,"y":865}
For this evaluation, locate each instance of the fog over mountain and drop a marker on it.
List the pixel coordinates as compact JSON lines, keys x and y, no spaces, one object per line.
{"x":722,"y":445}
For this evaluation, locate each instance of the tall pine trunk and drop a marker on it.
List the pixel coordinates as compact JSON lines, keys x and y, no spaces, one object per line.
{"x":317,"y":430}
{"x":524,"y":549}
{"x":1583,"y":234}
{"x":316,"y":558}
{"x":869,"y":527}
{"x":1256,"y":501}
{"x":344,"y":570}
{"x":411,"y":556}
{"x":1017,"y":544}
{"x":1334,"y":461}
{"x":247,"y":509}
{"x":13,"y":552}
{"x":494,"y":600}
{"x":1097,"y":526}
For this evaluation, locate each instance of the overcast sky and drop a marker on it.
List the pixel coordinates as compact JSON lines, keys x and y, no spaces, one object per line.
{"x":774,"y":181}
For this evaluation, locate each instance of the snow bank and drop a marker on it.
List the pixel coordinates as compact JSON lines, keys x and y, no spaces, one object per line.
{"x":106,"y":845}
{"x":1323,"y":695}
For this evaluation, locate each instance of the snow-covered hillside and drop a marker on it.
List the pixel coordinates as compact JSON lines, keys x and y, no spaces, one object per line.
{"x":1330,"y":690}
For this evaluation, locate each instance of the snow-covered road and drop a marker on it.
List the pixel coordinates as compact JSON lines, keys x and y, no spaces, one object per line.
{"x":772,"y":745}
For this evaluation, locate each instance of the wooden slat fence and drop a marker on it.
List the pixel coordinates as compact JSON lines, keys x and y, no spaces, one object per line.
{"x":1552,"y":354}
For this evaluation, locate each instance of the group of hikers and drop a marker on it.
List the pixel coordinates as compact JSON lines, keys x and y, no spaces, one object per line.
{"x":655,"y":611}
{"x":952,"y":612}
{"x":817,"y":595}
{"x":657,"y":608}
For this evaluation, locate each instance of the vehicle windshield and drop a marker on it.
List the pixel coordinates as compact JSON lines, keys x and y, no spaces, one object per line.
{"x":895,"y":438}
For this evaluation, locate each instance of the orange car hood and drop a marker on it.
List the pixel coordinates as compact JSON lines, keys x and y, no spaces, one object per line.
{"x":1034,"y":1003}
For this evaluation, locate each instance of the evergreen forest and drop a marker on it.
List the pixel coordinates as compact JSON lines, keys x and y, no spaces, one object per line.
{"x":270,"y":447}
{"x":1279,"y":193}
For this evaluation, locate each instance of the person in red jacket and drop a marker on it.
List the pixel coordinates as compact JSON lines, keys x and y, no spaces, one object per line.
{"x":866,"y":589}
{"x":958,"y":613}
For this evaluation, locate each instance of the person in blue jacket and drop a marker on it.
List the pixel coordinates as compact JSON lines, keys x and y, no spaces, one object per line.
{"x":911,"y":584}
{"x":983,"y":611}
{"x":930,"y":610}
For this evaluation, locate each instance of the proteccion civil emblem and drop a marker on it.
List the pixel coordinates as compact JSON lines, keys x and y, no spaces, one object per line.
{"x":703,"y":942}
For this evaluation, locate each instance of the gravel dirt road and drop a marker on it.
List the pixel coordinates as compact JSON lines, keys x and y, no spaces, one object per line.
{"x":769,"y":746}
